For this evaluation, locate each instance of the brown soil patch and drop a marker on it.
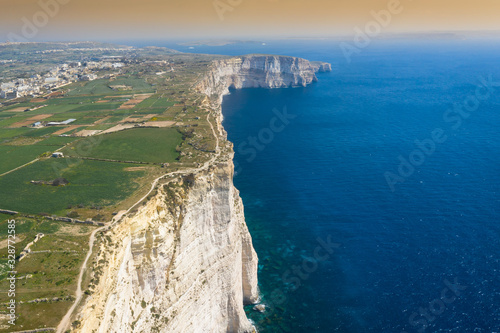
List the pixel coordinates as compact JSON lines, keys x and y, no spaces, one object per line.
{"x":103,"y":101}
{"x":5,"y":242}
{"x":37,"y":100}
{"x":66,"y":129}
{"x":23,"y":141}
{"x":160,"y":123}
{"x":21,"y":124}
{"x":19,"y":109}
{"x":30,"y":121}
{"x":101,"y":120}
{"x":55,"y":94}
{"x":135,"y":119}
{"x":135,"y":168}
{"x":40,"y":117}
{"x":69,"y":229}
{"x":134,"y":101}
{"x":119,"y":96}
{"x":118,"y":128}
{"x":87,"y":133}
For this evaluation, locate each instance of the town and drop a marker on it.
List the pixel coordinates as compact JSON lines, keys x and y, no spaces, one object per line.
{"x":39,"y":85}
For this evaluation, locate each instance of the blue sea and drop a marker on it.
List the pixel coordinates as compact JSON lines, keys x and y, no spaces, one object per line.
{"x":373,"y":195}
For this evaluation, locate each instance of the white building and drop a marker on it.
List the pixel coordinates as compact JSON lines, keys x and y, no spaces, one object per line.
{"x":9,"y":94}
{"x":88,"y":77}
{"x":51,"y":80}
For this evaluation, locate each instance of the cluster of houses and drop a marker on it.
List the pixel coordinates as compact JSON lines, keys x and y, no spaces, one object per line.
{"x":38,"y":85}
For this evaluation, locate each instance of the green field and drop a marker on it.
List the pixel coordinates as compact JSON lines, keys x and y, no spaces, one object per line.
{"x":90,"y":183}
{"x":102,"y":87}
{"x":48,"y":274}
{"x":17,"y":118}
{"x":15,"y":156}
{"x":163,"y":103}
{"x":56,"y":141}
{"x":75,"y":100}
{"x":154,"y":145}
{"x":41,"y":132}
{"x":9,"y":133}
{"x":56,"y":108}
{"x":155,"y":103}
{"x":97,"y":106}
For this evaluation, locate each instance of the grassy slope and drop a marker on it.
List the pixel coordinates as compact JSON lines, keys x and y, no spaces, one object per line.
{"x":154,"y":145}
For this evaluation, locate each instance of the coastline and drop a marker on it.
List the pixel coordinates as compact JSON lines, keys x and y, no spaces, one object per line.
{"x":193,"y":228}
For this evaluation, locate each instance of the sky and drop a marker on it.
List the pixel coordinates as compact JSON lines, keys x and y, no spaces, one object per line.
{"x":35,"y":20}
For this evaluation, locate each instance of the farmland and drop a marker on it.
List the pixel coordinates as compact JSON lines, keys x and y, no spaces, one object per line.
{"x":147,"y":118}
{"x":14,"y":156}
{"x":150,"y":114}
{"x":104,"y":87}
{"x":91,"y":183}
{"x":153,"y":145}
{"x":49,"y":273}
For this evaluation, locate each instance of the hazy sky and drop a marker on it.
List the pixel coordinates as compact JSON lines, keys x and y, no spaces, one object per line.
{"x":166,"y":19}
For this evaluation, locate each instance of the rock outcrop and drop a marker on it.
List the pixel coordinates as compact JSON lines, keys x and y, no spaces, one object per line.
{"x":184,"y":261}
{"x":259,"y":71}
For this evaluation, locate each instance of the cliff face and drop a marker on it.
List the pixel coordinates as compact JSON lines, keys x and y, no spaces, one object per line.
{"x":260,"y":71}
{"x":184,"y":262}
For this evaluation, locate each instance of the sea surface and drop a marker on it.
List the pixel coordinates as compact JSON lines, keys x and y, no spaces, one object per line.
{"x":340,"y":248}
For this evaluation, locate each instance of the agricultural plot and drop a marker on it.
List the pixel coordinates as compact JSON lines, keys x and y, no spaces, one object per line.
{"x":49,"y":271}
{"x":95,"y":189}
{"x":15,"y":156}
{"x":91,"y":183}
{"x":8,"y":122}
{"x":156,"y":103}
{"x":56,"y":141}
{"x":40,"y":132}
{"x":55,"y":108}
{"x":163,"y":103}
{"x":10,"y":133}
{"x":153,"y":145}
{"x":103,"y":87}
{"x":97,"y":107}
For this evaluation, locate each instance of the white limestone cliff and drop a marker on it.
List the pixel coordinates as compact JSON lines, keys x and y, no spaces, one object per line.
{"x":259,"y":71}
{"x":184,"y":261}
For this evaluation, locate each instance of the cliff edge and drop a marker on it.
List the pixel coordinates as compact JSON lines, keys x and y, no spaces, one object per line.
{"x":184,"y":261}
{"x":259,"y":71}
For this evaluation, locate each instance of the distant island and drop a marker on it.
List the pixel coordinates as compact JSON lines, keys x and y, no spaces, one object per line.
{"x":218,"y":42}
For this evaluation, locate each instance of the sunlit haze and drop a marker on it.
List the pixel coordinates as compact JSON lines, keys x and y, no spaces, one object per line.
{"x":160,"y":19}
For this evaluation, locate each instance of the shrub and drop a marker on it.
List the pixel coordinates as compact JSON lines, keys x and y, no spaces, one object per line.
{"x":73,"y":214}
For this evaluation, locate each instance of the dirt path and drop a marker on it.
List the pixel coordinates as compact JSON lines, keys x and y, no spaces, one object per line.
{"x":22,"y":166}
{"x":19,"y":167}
{"x":65,"y":321}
